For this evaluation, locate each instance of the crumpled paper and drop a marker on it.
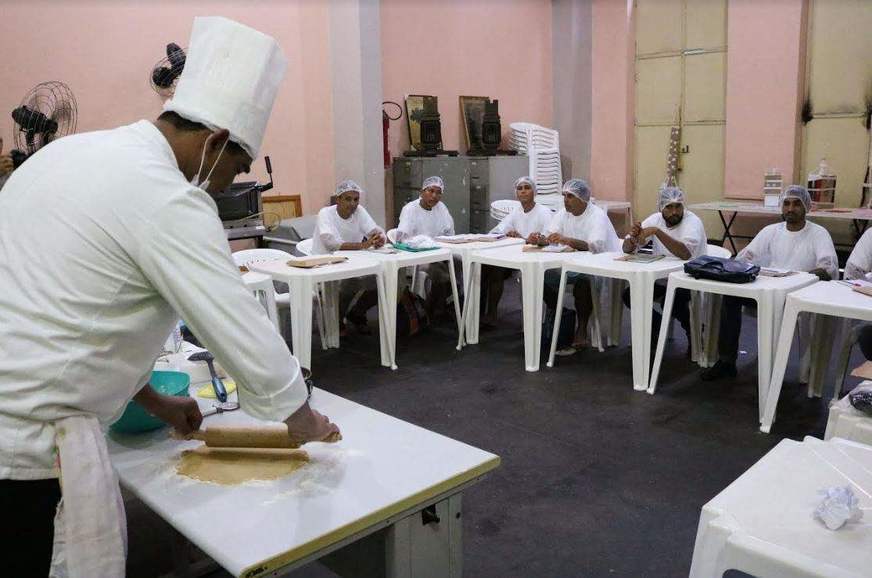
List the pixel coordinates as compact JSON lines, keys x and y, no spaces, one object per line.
{"x":838,"y":507}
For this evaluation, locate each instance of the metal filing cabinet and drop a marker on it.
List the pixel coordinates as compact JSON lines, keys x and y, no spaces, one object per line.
{"x":471,"y":185}
{"x":492,"y":179}
{"x":409,"y":175}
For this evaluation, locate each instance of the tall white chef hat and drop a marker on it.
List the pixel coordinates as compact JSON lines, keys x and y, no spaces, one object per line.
{"x":231,"y":76}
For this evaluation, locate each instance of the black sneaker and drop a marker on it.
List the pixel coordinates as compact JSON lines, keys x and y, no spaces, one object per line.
{"x":719,"y":370}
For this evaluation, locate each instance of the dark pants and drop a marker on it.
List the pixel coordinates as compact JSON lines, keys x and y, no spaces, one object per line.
{"x":27,"y":530}
{"x":731,"y":326}
{"x":680,"y":308}
{"x":865,"y":341}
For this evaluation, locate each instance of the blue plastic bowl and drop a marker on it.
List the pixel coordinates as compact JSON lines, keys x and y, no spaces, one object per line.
{"x":135,"y":419}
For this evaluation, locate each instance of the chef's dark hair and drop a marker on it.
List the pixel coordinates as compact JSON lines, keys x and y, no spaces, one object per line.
{"x":181,"y":123}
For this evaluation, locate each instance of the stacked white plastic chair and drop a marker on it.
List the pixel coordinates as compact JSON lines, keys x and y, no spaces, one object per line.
{"x":542,"y":146}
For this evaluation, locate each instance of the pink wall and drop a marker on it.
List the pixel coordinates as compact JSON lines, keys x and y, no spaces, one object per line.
{"x":105,"y":50}
{"x":448,"y":48}
{"x":765,"y":70}
{"x":611,"y":157}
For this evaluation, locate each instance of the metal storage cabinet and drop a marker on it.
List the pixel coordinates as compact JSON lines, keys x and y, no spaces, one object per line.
{"x":492,"y":179}
{"x":409,"y":175}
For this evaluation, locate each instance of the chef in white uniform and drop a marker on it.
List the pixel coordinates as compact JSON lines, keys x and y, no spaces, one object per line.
{"x":674,"y":232}
{"x":526,"y":219}
{"x":428,"y":215}
{"x":794,"y":244}
{"x":347,"y":226}
{"x":106,"y":238}
{"x":584,"y":227}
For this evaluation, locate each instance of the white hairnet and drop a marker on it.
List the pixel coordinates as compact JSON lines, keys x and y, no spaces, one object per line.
{"x":578,"y":188}
{"x":433,"y":182}
{"x":797,"y":192}
{"x":669,"y":195}
{"x":526,"y":180}
{"x":231,"y":77}
{"x":348,"y":185}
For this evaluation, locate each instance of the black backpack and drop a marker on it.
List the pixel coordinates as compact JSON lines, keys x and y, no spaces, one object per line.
{"x":721,"y":269}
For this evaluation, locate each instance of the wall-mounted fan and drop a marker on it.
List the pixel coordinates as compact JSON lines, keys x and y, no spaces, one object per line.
{"x":166,"y":72}
{"x":47,"y":112}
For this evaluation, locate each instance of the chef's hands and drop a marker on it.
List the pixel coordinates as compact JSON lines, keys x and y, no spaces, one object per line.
{"x":308,"y":425}
{"x":513,"y":234}
{"x":536,"y":239}
{"x":557,"y":239}
{"x":182,"y":413}
{"x":375,"y":241}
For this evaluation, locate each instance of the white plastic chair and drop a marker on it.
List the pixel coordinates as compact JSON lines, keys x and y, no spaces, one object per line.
{"x":264,"y":291}
{"x":282,"y":300}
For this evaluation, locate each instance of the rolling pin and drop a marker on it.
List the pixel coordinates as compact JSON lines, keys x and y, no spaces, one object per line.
{"x":246,"y":437}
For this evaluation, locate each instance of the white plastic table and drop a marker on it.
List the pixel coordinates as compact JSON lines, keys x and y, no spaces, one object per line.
{"x":846,"y":422}
{"x":763,"y":523}
{"x":827,"y":298}
{"x":380,"y":476}
{"x":391,"y":265}
{"x":302,"y":282}
{"x":463,"y":252}
{"x":532,"y":266}
{"x":768,"y":292}
{"x":641,"y":277}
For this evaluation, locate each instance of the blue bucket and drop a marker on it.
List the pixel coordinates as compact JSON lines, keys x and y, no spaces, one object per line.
{"x":135,"y":419}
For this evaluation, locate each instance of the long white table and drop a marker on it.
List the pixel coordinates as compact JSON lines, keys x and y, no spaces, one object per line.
{"x":641,"y":277}
{"x":302,"y":283}
{"x":860,"y":217}
{"x":826,"y":298}
{"x":762,"y":524}
{"x":381,"y":476}
{"x":769,"y":293}
{"x":391,"y":265}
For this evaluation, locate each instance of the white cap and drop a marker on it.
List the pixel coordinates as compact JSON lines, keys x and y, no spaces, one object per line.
{"x":669,"y":195}
{"x":231,"y":77}
{"x":433,"y":182}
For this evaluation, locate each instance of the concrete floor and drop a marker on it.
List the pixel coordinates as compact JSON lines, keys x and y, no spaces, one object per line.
{"x":596,"y":479}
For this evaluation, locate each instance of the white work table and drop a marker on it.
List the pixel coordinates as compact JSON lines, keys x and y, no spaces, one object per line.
{"x":463,"y":252}
{"x":532,"y":266}
{"x":391,"y":265}
{"x":382,"y":472}
{"x":762,"y":524}
{"x":769,"y":293}
{"x":641,"y":278}
{"x":302,"y":284}
{"x":827,"y":298}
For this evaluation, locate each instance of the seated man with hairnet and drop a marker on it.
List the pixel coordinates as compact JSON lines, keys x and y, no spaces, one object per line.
{"x":347,"y":226}
{"x":584,"y":227}
{"x":428,"y":215}
{"x":859,"y":266}
{"x":796,"y":245}
{"x":673,"y":231}
{"x":526,"y":219}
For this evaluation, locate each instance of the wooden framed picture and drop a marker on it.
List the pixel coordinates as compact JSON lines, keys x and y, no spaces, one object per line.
{"x":414,"y":111}
{"x":472,"y":113}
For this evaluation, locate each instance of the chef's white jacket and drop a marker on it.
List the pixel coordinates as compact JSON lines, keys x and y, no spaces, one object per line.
{"x":103,"y":245}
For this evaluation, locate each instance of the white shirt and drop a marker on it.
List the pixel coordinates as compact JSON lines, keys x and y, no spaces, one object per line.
{"x":859,"y":264}
{"x":103,"y":245}
{"x":331,"y":230}
{"x":805,"y":250}
{"x":592,"y":226}
{"x":416,"y":220}
{"x":525,"y":223}
{"x":690,"y":231}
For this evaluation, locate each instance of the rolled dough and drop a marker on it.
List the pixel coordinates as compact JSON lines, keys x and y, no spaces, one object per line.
{"x":231,"y":466}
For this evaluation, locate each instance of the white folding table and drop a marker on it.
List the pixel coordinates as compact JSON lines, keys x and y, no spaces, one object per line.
{"x":641,"y":277}
{"x":463,"y":252}
{"x":768,"y":292}
{"x":532,"y":266}
{"x":391,"y":265}
{"x":386,"y":479}
{"x":826,"y":298}
{"x":302,"y":282}
{"x":762,"y":524}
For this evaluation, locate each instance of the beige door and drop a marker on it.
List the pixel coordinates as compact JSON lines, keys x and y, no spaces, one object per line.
{"x":839,"y":88}
{"x":681,"y":56}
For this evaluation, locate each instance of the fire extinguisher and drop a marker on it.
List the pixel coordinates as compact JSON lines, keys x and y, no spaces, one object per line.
{"x":386,"y":124}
